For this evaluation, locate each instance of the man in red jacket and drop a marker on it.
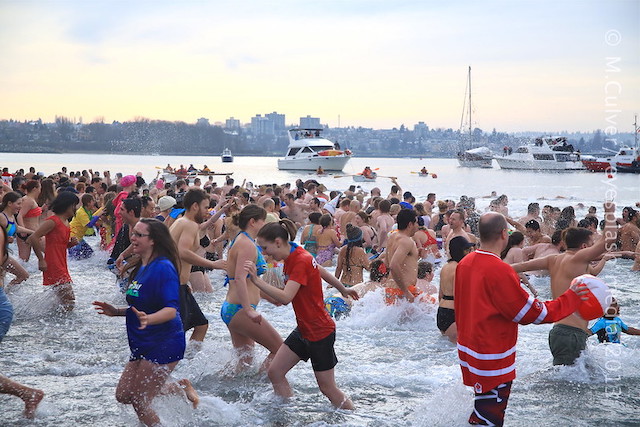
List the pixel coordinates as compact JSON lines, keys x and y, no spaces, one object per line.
{"x":489,"y":305}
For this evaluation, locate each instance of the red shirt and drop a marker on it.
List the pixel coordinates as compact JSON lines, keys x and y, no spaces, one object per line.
{"x":55,"y":254}
{"x":489,"y":305}
{"x":314,"y":323}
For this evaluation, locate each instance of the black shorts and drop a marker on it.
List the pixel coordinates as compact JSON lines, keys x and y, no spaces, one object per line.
{"x":322,"y":355}
{"x":190,"y":312}
{"x":446,"y":317}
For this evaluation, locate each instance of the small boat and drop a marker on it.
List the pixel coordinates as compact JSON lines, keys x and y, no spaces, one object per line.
{"x":424,"y":175}
{"x":634,"y":167}
{"x":545,"y":153}
{"x":309,"y":150}
{"x":226,"y":155}
{"x":480,"y":157}
{"x":362,"y":178}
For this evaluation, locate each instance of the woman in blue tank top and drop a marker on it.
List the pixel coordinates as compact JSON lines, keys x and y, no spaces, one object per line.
{"x":154,"y":328}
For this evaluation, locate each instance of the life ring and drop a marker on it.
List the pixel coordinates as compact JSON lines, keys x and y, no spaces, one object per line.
{"x":434,"y":176}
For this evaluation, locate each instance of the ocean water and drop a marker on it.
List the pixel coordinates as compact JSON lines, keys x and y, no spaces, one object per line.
{"x":393,"y":362}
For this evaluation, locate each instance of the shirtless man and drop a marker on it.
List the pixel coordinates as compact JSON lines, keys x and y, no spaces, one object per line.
{"x":629,"y":234}
{"x":268,"y":194}
{"x":533,"y":213}
{"x":350,"y":216}
{"x":456,"y":228}
{"x":533,"y":233}
{"x":569,"y":335}
{"x":384,"y":223}
{"x":396,"y":190}
{"x":342,"y":209}
{"x":294,"y":211}
{"x":428,"y":204}
{"x":402,"y":254}
{"x":185,"y":232}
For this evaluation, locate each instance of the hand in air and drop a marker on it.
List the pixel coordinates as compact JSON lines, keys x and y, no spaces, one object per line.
{"x":143,"y":318}
{"x":105,"y":308}
{"x":581,"y":290}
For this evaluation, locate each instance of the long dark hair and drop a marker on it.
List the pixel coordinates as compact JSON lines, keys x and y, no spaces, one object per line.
{"x":514,"y":240}
{"x":10,"y":197}
{"x":5,"y":248}
{"x":351,"y":230}
{"x":164,"y":246}
{"x":283,"y":229}
{"x":47,"y":192}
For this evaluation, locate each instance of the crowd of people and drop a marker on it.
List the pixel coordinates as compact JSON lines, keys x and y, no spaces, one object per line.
{"x":164,"y":237}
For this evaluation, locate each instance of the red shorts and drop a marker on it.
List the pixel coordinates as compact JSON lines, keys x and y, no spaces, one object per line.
{"x":488,"y":408}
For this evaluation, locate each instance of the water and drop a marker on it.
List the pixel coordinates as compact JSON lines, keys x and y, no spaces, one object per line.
{"x":393,"y":362}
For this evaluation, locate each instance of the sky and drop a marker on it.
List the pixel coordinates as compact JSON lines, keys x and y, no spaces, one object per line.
{"x":536,"y":65}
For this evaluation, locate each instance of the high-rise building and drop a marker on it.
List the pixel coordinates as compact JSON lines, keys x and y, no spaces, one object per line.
{"x":310,"y":122}
{"x":202,"y":122}
{"x":421,"y":130}
{"x":232,"y":123}
{"x":262,"y":125}
{"x":278,"y":121}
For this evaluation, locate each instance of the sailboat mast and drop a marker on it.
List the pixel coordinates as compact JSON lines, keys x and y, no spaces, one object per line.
{"x":635,"y":130}
{"x":470,"y":125}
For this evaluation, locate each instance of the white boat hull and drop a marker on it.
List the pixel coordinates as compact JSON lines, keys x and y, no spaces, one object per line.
{"x":362,"y":178}
{"x":483,"y":163}
{"x":524,"y":164}
{"x":328,"y":163}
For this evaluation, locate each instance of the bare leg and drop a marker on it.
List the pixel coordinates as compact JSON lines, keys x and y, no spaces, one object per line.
{"x":30,"y":396}
{"x":263,"y":333}
{"x":66,"y":297}
{"x":452,"y":333}
{"x":199,"y":332}
{"x":327,"y":383}
{"x":13,"y":266}
{"x":282,"y":363}
{"x":243,"y":347}
{"x":24,"y":249}
{"x":200,"y":282}
{"x":139,"y":384}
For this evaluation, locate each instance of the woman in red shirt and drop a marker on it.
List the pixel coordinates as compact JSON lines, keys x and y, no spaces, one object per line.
{"x":315,"y":334}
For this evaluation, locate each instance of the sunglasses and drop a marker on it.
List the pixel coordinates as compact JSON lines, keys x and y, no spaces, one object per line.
{"x":135,"y":233}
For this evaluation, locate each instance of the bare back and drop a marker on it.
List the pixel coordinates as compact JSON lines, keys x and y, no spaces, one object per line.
{"x":186,"y":230}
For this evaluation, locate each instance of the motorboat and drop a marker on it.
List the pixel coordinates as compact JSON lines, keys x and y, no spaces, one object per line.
{"x":309,"y":150}
{"x":544,"y":153}
{"x":480,"y":157}
{"x":363,"y":178}
{"x":623,"y":157}
{"x":226,"y":155}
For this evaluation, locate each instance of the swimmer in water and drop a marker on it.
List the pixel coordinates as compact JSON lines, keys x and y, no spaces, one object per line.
{"x":154,"y":328}
{"x":315,"y":334}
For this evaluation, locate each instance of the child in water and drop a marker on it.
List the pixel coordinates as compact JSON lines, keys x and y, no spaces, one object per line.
{"x":609,"y":326}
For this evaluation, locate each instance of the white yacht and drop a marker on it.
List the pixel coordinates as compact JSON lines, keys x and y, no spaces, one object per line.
{"x":546,"y":153}
{"x":309,"y":150}
{"x":226,"y":155}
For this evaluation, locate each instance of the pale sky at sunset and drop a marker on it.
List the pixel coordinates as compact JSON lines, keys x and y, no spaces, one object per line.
{"x":537,"y":65}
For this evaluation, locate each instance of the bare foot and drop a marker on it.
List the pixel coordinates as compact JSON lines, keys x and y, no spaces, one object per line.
{"x":31,"y":401}
{"x":191,"y":392}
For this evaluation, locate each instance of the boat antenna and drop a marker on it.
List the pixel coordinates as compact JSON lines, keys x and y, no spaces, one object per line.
{"x":636,"y":129}
{"x":470,"y":123}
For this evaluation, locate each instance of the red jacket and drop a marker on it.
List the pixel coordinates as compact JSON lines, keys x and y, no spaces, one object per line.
{"x":489,"y":304}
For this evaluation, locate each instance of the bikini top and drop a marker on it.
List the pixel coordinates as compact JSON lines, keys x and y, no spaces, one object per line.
{"x":11,"y":226}
{"x":37,"y":211}
{"x":261,"y":264}
{"x":430,"y":240}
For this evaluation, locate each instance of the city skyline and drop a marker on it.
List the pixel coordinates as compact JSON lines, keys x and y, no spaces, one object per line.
{"x":536,"y":65}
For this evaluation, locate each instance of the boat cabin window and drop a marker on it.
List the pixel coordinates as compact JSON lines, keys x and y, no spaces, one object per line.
{"x":307,"y":150}
{"x":322,"y":148}
{"x":522,"y":150}
{"x":543,"y":156}
{"x":293,"y":151}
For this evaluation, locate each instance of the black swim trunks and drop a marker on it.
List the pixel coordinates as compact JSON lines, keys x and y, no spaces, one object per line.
{"x":446,"y":317}
{"x":566,"y":343}
{"x":190,"y":312}
{"x":322,"y":354}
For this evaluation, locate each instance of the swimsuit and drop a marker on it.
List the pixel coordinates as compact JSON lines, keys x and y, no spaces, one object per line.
{"x":446,"y":317}
{"x":228,"y":310}
{"x":11,"y":226}
{"x":326,"y":254}
{"x":261,"y":264}
{"x":35,"y":212}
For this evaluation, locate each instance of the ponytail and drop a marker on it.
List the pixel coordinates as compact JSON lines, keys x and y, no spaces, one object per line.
{"x":283,"y":229}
